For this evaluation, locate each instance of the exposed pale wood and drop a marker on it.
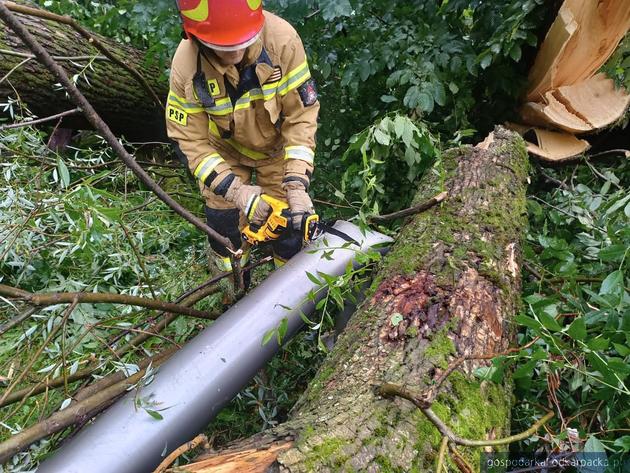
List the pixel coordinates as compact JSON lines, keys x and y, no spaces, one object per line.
{"x":552,"y":145}
{"x":583,"y":37}
{"x":587,"y":106}
{"x":246,"y":461}
{"x":565,"y":91}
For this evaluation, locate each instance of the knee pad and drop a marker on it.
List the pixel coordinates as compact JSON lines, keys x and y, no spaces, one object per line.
{"x":286,"y":248}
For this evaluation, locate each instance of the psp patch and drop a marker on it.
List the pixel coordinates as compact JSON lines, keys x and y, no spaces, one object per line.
{"x":308,"y":93}
{"x":176,"y":115}
{"x":213,"y":87}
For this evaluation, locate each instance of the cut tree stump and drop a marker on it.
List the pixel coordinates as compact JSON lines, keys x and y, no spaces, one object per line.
{"x":118,"y":97}
{"x":450,"y":287}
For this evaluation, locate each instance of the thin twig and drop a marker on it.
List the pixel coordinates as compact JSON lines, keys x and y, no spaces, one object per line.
{"x":439,"y":465}
{"x":333,"y":204}
{"x":6,"y":76}
{"x":54,"y":298}
{"x":625,"y":152}
{"x":178,"y":452}
{"x":19,"y":229}
{"x":554,"y":181}
{"x":39,"y":351}
{"x":136,"y":330}
{"x":40,"y":120}
{"x":410,"y":211}
{"x":8,"y":52}
{"x":90,"y":114}
{"x":460,"y":461}
{"x":92,"y":39}
{"x":430,"y":393}
{"x":136,"y":252}
{"x":15,"y":321}
{"x":390,"y":390}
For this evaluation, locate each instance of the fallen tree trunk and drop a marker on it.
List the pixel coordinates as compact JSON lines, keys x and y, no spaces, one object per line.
{"x":118,"y":97}
{"x":449,"y":288}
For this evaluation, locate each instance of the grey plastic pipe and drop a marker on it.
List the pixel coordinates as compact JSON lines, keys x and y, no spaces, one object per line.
{"x":208,"y":371}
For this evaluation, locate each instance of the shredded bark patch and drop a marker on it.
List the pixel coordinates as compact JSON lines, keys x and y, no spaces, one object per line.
{"x":476,"y":302}
{"x":414,"y":307}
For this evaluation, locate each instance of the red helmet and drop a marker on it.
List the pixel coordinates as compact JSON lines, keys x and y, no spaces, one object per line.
{"x":222,"y":24}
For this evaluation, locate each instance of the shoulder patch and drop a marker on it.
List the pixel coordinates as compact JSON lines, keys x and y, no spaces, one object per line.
{"x":308,"y":93}
{"x":176,"y":115}
{"x":275,"y":76}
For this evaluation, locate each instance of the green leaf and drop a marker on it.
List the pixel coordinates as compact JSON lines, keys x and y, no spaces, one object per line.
{"x":411,"y":97}
{"x":598,"y":344}
{"x":282,"y":328}
{"x":623,"y":443}
{"x":612,"y":253}
{"x":381,"y":137}
{"x":396,"y":319}
{"x":623,"y":350}
{"x":388,"y":98}
{"x":439,"y":94}
{"x":577,"y":329}
{"x":515,"y":52}
{"x":268,"y":336}
{"x":64,"y":174}
{"x":155,"y":414}
{"x":617,"y":205}
{"x":485,"y":60}
{"x":364,"y":70}
{"x":528,"y":322}
{"x":526,"y":370}
{"x":593,"y":445}
{"x":425,"y":102}
{"x":612,"y":284}
{"x":313,"y":278}
{"x":548,"y":321}
{"x":332,"y":9}
{"x":399,"y":126}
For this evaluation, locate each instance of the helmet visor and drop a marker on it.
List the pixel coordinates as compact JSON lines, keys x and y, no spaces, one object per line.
{"x":235,"y":47}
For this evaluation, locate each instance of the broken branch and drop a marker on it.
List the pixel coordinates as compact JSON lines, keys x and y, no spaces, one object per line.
{"x":54,"y":298}
{"x":62,"y":419}
{"x":41,"y":120}
{"x":178,"y":452}
{"x":410,"y":211}
{"x":392,"y":390}
{"x":15,"y":321}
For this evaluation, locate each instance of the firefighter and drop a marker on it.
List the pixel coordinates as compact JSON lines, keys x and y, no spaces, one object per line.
{"x":242,"y":113}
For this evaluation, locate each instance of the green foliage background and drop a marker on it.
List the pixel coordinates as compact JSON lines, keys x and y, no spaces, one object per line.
{"x":399,"y":82}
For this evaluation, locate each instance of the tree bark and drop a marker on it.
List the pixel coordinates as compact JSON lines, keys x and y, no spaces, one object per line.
{"x":117,"y":96}
{"x":449,"y":288}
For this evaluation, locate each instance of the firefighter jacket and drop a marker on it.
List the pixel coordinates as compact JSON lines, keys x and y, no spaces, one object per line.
{"x":262,"y":111}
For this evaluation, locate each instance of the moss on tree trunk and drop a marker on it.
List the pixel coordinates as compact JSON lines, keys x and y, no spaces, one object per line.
{"x":450,"y":287}
{"x":118,"y":97}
